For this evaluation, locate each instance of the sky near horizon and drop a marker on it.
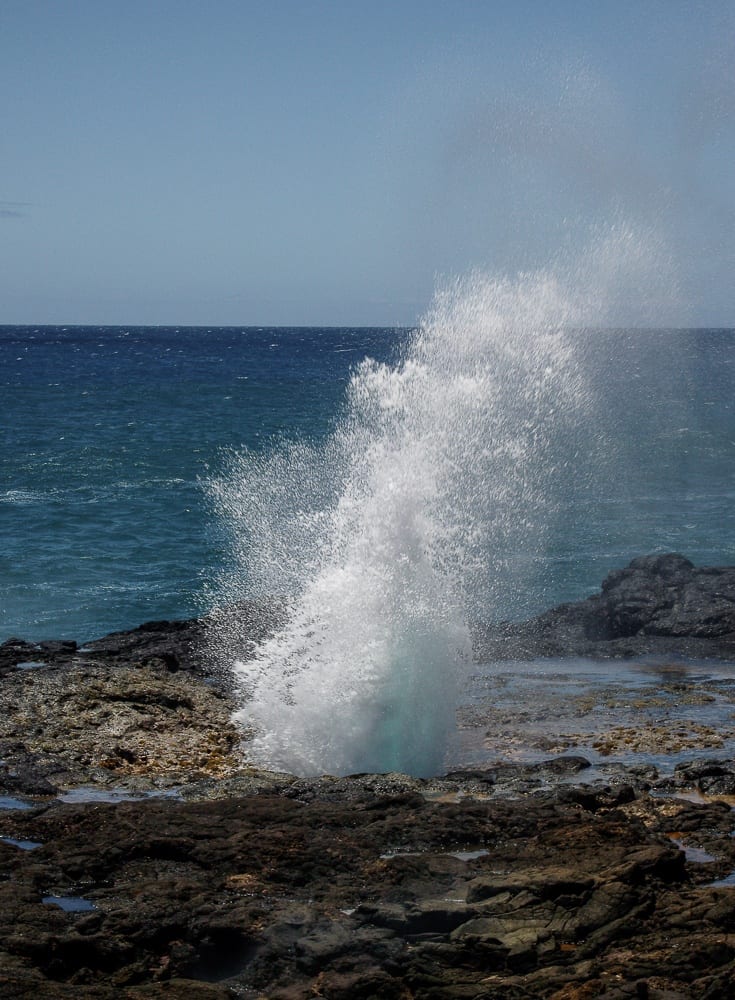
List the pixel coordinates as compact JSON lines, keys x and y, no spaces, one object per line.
{"x":273,"y":162}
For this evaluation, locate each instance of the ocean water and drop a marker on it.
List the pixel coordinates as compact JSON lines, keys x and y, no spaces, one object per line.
{"x":108,"y":434}
{"x":111,"y":437}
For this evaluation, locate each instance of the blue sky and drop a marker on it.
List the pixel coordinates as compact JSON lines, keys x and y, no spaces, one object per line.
{"x":325,"y":163}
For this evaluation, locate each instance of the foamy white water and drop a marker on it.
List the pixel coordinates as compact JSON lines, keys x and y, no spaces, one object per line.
{"x":421,"y":512}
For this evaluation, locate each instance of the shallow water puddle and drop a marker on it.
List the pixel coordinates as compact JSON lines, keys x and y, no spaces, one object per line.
{"x":695,"y":854}
{"x":8,"y":802}
{"x":633,"y":712}
{"x":728,"y":882}
{"x":88,"y":793}
{"x":459,"y":855}
{"x":70,"y":904}
{"x":23,"y":845}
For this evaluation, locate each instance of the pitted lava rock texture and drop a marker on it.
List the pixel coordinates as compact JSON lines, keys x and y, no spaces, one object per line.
{"x":339,"y":890}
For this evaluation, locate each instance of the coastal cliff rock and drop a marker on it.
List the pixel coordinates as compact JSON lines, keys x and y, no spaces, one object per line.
{"x":170,"y":645}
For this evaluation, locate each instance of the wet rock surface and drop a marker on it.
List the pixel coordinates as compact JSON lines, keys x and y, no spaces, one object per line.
{"x":140,"y":857}
{"x":376,"y":886}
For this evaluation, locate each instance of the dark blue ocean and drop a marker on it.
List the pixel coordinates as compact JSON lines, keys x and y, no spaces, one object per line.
{"x":109,"y":436}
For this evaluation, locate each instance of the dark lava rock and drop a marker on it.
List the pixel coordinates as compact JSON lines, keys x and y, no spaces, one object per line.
{"x":351,"y":896}
{"x":711,"y":777}
{"x":163,"y":645}
{"x":659,"y":604}
{"x":27,"y":776}
{"x":564,"y":764}
{"x":171,"y":645}
{"x":371,"y":886}
{"x":15,"y":651}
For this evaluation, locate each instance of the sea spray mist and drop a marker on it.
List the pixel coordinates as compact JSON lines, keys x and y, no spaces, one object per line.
{"x":423,"y":511}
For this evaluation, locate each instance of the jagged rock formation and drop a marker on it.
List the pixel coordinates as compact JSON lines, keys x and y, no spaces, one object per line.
{"x":657,"y":604}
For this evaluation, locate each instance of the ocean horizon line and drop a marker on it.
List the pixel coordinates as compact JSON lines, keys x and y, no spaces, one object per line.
{"x":622,"y":328}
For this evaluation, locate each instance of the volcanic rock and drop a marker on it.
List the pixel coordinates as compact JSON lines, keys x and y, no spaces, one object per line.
{"x":266,"y":895}
{"x":658,"y":604}
{"x":207,"y":878}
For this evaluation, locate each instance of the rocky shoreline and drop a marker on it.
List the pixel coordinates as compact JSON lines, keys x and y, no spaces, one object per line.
{"x":140,"y":857}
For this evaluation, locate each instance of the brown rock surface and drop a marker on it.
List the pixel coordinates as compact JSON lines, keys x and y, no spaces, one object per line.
{"x":336,"y":889}
{"x":94,"y":723}
{"x":548,"y":879}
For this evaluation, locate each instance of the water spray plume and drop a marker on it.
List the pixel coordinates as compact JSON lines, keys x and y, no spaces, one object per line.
{"x":421,"y":513}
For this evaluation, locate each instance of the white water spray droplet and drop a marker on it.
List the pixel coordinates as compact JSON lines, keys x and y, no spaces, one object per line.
{"x":417,"y":517}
